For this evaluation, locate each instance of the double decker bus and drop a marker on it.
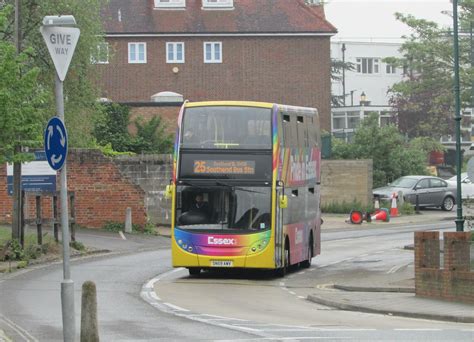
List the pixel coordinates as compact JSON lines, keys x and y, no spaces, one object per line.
{"x":246,"y":186}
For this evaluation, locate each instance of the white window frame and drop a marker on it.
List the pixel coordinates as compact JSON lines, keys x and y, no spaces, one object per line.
{"x":213,"y":52}
{"x":217,"y":3}
{"x":170,"y":4}
{"x":174,"y":47}
{"x":137,"y":60}
{"x":96,"y":58}
{"x":371,"y":65}
{"x":390,"y":69}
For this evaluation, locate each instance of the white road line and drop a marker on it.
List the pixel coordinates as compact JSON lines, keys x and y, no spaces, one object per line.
{"x":302,"y":272}
{"x":363,"y":255}
{"x":19,"y":330}
{"x":293,"y":293}
{"x":301,"y":297}
{"x":421,"y":329}
{"x":122,"y":236}
{"x":295,"y":338}
{"x":176,"y":307}
{"x":393,"y":269}
{"x":282,"y":283}
{"x":154,"y":295}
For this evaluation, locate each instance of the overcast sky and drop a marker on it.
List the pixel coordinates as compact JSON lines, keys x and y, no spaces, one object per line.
{"x":374,"y":20}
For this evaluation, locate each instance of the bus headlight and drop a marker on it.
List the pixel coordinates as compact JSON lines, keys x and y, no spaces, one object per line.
{"x":185,"y":245}
{"x":258,"y":246}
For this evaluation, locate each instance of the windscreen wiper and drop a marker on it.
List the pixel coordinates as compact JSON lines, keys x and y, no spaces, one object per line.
{"x":236,"y":187}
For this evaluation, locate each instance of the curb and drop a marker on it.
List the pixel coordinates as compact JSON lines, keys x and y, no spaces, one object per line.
{"x":374,"y":289}
{"x":350,"y":307}
{"x":48,"y":261}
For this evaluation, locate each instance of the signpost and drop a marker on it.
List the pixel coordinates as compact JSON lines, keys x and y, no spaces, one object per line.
{"x":61,"y":41}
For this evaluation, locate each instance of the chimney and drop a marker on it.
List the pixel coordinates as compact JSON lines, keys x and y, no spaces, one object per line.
{"x":317,"y":6}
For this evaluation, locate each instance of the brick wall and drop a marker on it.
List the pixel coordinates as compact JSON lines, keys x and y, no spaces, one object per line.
{"x":152,"y":173}
{"x":287,"y":70}
{"x":455,"y":281}
{"x":346,"y":181}
{"x":102,"y":193}
{"x":105,"y":187}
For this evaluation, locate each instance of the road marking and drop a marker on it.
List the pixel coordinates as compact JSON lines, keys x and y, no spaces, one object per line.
{"x":397,"y":268}
{"x":295,"y":338}
{"x":420,"y":329}
{"x":176,"y":307}
{"x":19,"y":330}
{"x":301,"y":297}
{"x":122,"y":236}
{"x":302,"y":272}
{"x":282,"y":283}
{"x":154,"y":295}
{"x":292,"y":292}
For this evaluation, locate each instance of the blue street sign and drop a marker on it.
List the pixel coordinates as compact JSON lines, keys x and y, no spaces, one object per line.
{"x":55,"y":143}
{"x":36,"y":176}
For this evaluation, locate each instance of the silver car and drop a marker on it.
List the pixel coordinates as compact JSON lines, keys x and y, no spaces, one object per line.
{"x":431,"y":191}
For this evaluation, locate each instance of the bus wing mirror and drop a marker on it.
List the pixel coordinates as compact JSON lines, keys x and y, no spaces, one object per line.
{"x":283,"y":201}
{"x":169,"y":191}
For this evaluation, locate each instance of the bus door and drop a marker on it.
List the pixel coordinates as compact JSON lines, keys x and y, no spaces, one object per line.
{"x":279,"y":243}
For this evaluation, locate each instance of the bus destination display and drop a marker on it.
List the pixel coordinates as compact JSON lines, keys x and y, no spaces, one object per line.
{"x":236,"y":167}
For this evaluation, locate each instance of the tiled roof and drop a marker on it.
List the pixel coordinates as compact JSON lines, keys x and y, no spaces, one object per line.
{"x":248,"y":16}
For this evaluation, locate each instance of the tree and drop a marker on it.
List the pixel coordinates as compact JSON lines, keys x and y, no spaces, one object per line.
{"x":113,"y":129}
{"x":392,"y":156}
{"x":22,"y":102}
{"x":424,"y":99}
{"x":79,"y":88}
{"x":337,"y":67}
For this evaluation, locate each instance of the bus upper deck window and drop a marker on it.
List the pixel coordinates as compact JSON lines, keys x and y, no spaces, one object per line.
{"x":300,"y":119}
{"x":286,"y":118}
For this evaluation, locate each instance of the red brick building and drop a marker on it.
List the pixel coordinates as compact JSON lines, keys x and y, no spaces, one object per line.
{"x":262,"y":50}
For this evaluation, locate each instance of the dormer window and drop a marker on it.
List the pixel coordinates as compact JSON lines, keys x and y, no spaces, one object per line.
{"x":170,"y":4}
{"x":217,"y":3}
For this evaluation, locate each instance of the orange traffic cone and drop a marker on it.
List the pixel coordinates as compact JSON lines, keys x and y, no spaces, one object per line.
{"x":394,"y":209}
{"x":381,"y":215}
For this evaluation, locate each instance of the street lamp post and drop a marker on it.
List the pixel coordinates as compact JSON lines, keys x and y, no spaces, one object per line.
{"x":457,"y":117}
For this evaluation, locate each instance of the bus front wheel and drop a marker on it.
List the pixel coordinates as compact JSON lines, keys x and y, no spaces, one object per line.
{"x":194,"y":271}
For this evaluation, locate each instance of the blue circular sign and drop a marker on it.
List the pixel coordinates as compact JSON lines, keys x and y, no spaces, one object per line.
{"x":55,"y":143}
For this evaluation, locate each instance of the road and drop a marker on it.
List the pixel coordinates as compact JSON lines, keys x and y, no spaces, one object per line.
{"x":220,"y":306}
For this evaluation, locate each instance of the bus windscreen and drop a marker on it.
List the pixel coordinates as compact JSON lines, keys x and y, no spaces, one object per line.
{"x":225,"y":208}
{"x":227,"y":127}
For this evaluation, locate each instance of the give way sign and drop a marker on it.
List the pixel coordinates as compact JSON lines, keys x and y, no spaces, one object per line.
{"x":61,"y":43}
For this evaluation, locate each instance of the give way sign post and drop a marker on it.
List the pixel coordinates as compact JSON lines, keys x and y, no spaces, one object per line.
{"x":61,"y":40}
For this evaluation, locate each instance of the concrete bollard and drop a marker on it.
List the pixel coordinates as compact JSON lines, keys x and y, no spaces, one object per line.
{"x":128,"y":220}
{"x":89,"y":323}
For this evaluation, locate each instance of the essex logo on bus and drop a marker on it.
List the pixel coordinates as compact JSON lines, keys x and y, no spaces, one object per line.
{"x":211,"y":240}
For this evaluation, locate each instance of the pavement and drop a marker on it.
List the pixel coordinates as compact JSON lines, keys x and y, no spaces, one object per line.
{"x":390,"y":294}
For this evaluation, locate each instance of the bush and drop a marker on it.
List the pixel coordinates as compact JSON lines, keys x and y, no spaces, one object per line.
{"x":13,"y":251}
{"x":148,"y":229}
{"x":113,"y":226}
{"x":345,"y":207}
{"x":78,"y":246}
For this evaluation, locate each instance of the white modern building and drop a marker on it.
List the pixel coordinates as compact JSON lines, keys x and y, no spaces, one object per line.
{"x":366,"y":87}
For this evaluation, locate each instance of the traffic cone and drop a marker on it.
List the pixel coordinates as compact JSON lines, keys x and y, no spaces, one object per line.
{"x":356,"y":217}
{"x":394,"y":209}
{"x":381,"y":215}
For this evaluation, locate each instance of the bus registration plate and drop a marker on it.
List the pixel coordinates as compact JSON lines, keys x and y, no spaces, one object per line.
{"x":222,"y":263}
